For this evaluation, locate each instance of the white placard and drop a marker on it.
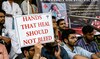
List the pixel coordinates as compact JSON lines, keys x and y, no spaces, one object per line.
{"x":34,"y":28}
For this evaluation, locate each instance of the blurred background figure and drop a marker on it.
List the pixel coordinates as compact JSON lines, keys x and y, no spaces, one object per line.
{"x":56,"y":30}
{"x":32,"y":7}
{"x":11,"y":8}
{"x":3,"y":38}
{"x":4,"y":41}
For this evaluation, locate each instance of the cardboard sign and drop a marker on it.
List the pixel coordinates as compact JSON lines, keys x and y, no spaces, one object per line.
{"x":34,"y":28}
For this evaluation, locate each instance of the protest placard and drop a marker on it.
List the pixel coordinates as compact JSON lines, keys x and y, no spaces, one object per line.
{"x":34,"y":28}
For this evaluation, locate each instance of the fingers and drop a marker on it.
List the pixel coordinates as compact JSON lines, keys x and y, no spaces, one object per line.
{"x":38,"y":45}
{"x":43,"y":58}
{"x":59,"y":50}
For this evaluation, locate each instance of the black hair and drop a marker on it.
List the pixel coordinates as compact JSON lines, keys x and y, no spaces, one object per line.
{"x":66,"y":33}
{"x":2,"y":11}
{"x":53,"y":17}
{"x":53,"y":6}
{"x":59,"y":20}
{"x":25,"y":48}
{"x":87,"y":29}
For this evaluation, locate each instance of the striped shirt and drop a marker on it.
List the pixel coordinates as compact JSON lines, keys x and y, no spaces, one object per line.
{"x":92,"y":47}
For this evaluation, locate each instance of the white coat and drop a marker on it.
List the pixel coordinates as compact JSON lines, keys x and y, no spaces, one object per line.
{"x":13,"y":10}
{"x":24,"y":7}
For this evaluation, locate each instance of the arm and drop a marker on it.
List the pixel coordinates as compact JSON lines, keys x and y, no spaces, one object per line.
{"x":37,"y":53}
{"x":6,"y":39}
{"x":98,"y":54}
{"x":5,"y":54}
{"x":94,"y":56}
{"x":57,"y":53}
{"x":79,"y":57}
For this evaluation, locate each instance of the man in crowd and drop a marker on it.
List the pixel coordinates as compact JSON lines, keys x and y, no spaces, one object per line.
{"x":75,"y":52}
{"x":4,"y":41}
{"x":87,"y":42}
{"x":32,"y":52}
{"x":61,"y":26}
{"x":54,"y":51}
{"x":11,"y":8}
{"x":56,"y":30}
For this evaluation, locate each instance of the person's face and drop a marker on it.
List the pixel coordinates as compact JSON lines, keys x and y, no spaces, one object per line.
{"x":2,"y":18}
{"x":55,"y":8}
{"x":72,"y":39}
{"x":89,"y":36}
{"x":54,"y":23}
{"x":62,"y":25}
{"x":31,"y":52}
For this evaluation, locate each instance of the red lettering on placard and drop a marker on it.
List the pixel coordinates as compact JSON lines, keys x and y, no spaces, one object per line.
{"x":42,"y":24}
{"x":28,"y":26}
{"x":29,"y":41}
{"x":36,"y":32}
{"x":45,"y":38}
{"x":31,"y":18}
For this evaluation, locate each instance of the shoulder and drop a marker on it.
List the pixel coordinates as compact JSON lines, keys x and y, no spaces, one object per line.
{"x":94,"y":43}
{"x":5,"y":2}
{"x":24,"y":2}
{"x":80,"y":41}
{"x":78,"y":47}
{"x":15,"y":3}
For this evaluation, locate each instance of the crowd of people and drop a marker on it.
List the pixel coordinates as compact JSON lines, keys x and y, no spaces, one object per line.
{"x":66,"y":44}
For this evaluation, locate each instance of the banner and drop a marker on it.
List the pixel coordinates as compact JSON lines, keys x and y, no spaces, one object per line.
{"x":77,"y":13}
{"x":35,"y":28}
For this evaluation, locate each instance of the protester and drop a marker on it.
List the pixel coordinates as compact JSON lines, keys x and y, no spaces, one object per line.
{"x":61,"y":26}
{"x":32,"y":52}
{"x":11,"y":8}
{"x":32,"y":7}
{"x":3,"y":39}
{"x":54,"y":51}
{"x":69,"y":39}
{"x":56,"y":30}
{"x":87,"y":42}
